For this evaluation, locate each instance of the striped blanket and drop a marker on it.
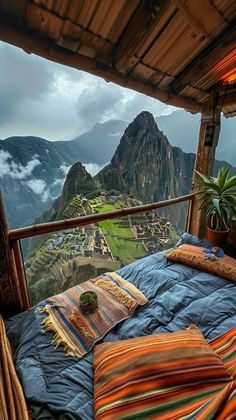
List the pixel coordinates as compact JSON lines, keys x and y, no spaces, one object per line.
{"x":117,"y":301}
{"x":137,"y":393}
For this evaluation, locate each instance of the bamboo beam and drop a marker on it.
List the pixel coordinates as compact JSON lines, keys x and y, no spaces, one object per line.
{"x":33,"y":42}
{"x":21,"y":275}
{"x":206,"y":60}
{"x":58,"y":225}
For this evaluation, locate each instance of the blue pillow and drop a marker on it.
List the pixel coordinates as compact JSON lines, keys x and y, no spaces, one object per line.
{"x":187,"y":238}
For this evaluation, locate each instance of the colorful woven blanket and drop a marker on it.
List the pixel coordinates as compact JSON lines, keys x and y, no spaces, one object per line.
{"x":132,"y":380}
{"x":117,"y":300}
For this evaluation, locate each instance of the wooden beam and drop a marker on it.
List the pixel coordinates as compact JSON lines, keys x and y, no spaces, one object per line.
{"x":10,"y":296}
{"x":44,"y":47}
{"x":138,"y":29}
{"x":207,"y":59}
{"x":204,"y":163}
{"x":35,"y":230}
{"x":21,"y":275}
{"x":67,"y":34}
{"x":202,"y":15}
{"x":229,"y":98}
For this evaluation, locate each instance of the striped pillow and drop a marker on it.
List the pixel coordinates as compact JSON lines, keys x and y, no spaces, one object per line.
{"x":130,"y":375}
{"x":194,"y":257}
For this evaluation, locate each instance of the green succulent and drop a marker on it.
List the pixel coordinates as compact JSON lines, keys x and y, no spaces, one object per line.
{"x":218,"y":199}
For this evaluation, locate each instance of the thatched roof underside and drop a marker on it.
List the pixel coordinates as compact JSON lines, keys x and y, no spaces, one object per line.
{"x":177,"y":51}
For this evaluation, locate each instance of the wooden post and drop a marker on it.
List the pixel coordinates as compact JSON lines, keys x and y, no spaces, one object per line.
{"x":21,"y":275}
{"x":10,"y":296}
{"x":205,"y":158}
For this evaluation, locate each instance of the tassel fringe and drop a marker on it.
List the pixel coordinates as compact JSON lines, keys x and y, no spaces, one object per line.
{"x":59,"y":338}
{"x":119,"y":294}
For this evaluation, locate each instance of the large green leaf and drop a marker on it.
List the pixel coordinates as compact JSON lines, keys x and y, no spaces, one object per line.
{"x":218,"y":198}
{"x":231,"y":182}
{"x":222,"y":176}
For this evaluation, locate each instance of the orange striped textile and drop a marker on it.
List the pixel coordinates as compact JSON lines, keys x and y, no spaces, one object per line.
{"x":193,"y":256}
{"x":166,"y":376}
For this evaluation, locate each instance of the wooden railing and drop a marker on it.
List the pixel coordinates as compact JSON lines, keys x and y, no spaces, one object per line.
{"x":16,"y":235}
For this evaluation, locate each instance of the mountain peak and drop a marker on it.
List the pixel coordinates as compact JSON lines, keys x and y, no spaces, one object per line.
{"x":144,"y":120}
{"x":78,"y":182}
{"x":145,"y":116}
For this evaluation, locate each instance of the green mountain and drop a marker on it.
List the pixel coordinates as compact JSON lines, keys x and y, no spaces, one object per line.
{"x":33,"y":170}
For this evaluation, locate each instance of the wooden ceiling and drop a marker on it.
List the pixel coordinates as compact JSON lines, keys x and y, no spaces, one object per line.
{"x":177,"y":51}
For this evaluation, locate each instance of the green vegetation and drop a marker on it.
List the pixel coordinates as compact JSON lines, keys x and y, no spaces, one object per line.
{"x":117,"y":237}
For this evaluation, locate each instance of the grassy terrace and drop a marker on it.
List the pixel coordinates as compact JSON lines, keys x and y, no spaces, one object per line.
{"x":124,"y":249}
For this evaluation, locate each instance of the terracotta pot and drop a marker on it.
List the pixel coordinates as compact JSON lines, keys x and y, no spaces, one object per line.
{"x":217,"y":237}
{"x":90,"y":306}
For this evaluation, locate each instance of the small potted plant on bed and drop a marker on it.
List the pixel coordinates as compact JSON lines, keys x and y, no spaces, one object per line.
{"x":218,"y":203}
{"x":88,"y":302}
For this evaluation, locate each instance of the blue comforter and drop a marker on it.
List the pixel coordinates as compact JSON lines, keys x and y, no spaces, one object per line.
{"x":61,"y":387}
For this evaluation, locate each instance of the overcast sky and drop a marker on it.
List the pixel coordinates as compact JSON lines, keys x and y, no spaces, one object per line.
{"x":45,"y":99}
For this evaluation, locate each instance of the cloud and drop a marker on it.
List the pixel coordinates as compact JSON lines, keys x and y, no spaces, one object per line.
{"x":49,"y":100}
{"x":64,"y":169}
{"x":100,"y":101}
{"x":36,"y":185}
{"x":17,"y":171}
{"x":4,"y":164}
{"x":22,"y":80}
{"x":97,"y":102}
{"x":93,"y":168}
{"x":39,"y":187}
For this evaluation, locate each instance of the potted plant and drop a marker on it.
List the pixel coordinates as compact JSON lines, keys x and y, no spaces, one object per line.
{"x":218,"y":203}
{"x":88,"y":302}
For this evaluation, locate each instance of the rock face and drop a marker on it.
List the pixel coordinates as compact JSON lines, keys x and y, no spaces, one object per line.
{"x":146,"y":165}
{"x":78,"y":182}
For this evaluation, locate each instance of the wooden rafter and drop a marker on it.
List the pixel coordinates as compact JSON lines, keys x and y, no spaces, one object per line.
{"x":140,"y":26}
{"x":208,"y":22}
{"x":216,"y":51}
{"x":67,"y":34}
{"x":44,"y":47}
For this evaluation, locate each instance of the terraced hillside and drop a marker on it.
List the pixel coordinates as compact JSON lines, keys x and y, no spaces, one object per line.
{"x":72,"y":256}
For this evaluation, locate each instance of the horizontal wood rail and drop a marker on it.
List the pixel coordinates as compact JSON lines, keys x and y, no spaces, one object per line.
{"x":49,"y":227}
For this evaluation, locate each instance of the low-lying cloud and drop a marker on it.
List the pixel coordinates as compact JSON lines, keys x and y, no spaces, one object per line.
{"x":36,"y":185}
{"x":65,"y":169}
{"x":17,"y":171}
{"x":93,"y":168}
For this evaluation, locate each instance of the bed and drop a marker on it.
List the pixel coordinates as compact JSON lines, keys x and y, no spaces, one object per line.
{"x":59,"y":386}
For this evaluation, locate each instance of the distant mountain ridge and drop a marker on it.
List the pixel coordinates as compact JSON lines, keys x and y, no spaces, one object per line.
{"x":28,"y":193}
{"x":33,"y":170}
